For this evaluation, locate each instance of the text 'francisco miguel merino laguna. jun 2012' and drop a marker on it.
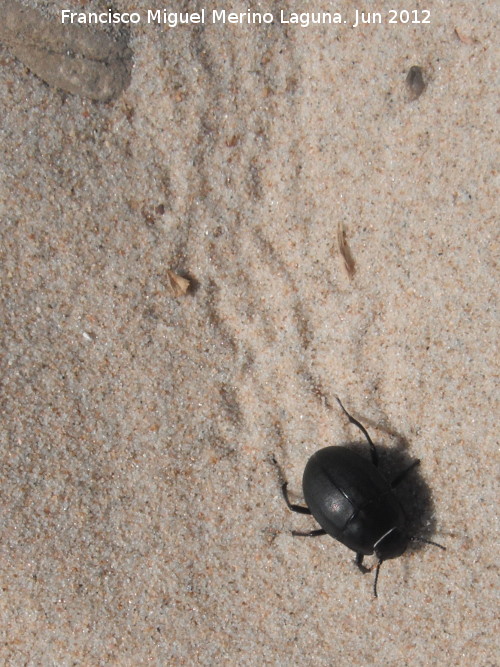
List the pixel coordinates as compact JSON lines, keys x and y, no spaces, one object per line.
{"x":222,"y":16}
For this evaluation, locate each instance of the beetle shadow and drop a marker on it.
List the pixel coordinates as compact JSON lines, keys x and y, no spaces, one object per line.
{"x":413,"y":492}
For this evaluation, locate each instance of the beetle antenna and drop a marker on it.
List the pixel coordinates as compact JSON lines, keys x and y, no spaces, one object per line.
{"x":376,"y":579}
{"x":363,"y":430}
{"x":421,"y":539}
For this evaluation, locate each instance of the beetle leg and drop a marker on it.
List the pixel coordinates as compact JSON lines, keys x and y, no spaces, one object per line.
{"x":310,"y":533}
{"x":399,"y":478}
{"x":364,"y":570}
{"x":359,"y":563}
{"x":363,"y":430}
{"x":421,"y":539}
{"x":376,"y":579}
{"x":294,"y":508}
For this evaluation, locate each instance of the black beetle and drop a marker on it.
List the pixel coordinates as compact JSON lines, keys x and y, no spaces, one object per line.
{"x":354,"y":503}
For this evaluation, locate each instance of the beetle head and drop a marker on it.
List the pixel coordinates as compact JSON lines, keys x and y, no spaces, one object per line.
{"x":391,"y":545}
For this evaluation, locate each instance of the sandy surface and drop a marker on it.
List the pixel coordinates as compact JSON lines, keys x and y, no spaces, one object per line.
{"x":142,"y":520}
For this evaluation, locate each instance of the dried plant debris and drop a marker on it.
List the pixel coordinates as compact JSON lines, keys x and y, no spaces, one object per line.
{"x":345,"y":251}
{"x":177,"y":284}
{"x":75,"y":58}
{"x":465,"y":39}
{"x":415,"y":82}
